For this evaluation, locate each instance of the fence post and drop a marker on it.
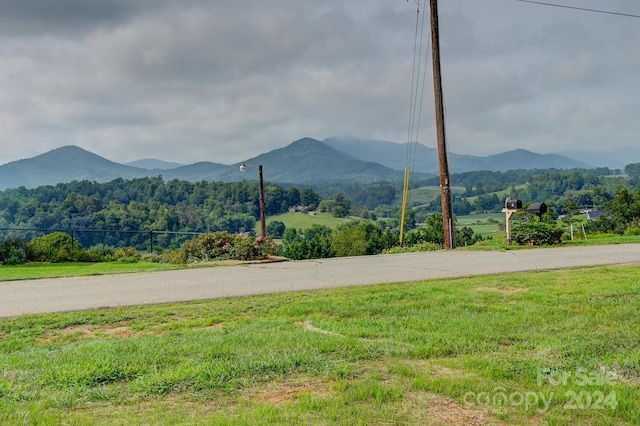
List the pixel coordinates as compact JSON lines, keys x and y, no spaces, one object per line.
{"x":150,"y":241}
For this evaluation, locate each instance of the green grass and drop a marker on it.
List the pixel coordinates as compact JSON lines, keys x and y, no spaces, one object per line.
{"x":424,"y":353}
{"x":483,"y":224}
{"x":304,"y":220}
{"x":426,"y":194}
{"x":48,"y":270}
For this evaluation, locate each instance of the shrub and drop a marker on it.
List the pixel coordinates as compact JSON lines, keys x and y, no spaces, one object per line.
{"x":208,"y":247}
{"x":126,"y":254}
{"x":175,"y":257}
{"x":152,"y":257}
{"x":313,"y":243}
{"x":466,"y":237}
{"x":349,"y":242}
{"x":632,"y":231}
{"x":55,"y":247}
{"x":222,"y":245}
{"x":12,"y":251}
{"x":101,"y":253}
{"x":252,"y":248}
{"x":425,"y":246}
{"x":536,"y":233}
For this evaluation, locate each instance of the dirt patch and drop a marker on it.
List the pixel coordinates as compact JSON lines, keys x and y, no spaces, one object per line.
{"x":92,"y":331}
{"x":284,"y":392}
{"x":74,"y":332}
{"x":435,"y":369}
{"x":120,"y":332}
{"x":216,"y":326}
{"x":82,"y":330}
{"x":507,"y":290}
{"x":435,"y":410}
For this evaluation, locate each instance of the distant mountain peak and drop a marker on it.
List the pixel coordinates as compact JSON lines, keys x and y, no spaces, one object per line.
{"x":306,"y":161}
{"x":154,"y":164}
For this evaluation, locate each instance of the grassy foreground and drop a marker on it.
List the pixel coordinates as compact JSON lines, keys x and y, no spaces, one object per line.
{"x":556,"y":347}
{"x":49,"y":270}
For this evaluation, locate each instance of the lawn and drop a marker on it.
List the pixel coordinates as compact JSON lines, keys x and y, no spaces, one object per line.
{"x":556,"y":347}
{"x":47,"y":270}
{"x":426,"y":194}
{"x":485,"y":224}
{"x":305,"y":220}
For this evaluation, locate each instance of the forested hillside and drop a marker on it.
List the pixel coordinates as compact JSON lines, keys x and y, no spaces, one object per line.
{"x":558,"y":188}
{"x":146,"y":204}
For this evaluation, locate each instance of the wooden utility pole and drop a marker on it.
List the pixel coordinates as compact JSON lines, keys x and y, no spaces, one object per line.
{"x":445,"y":181}
{"x":263,"y":216}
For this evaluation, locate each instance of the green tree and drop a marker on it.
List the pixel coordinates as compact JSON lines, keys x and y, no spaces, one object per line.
{"x":632,"y":170}
{"x":276,"y":228}
{"x":349,"y":242}
{"x":312,"y":243}
{"x":432,"y":232}
{"x":309,"y":198}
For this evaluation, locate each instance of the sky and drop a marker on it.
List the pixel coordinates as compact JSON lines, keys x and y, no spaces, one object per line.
{"x":224,"y":81}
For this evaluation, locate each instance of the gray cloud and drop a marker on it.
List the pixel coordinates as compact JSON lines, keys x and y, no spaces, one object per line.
{"x":64,"y":17}
{"x":224,"y":81}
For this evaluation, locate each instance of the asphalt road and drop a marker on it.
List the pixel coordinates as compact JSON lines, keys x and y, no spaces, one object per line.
{"x":79,"y":293}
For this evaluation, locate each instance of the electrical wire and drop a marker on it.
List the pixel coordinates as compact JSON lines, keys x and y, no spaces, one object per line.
{"x":628,"y":15}
{"x":414,"y":124}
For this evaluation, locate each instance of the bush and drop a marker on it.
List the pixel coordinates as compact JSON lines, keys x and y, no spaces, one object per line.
{"x":12,"y":251}
{"x":222,"y":245}
{"x":252,"y":248}
{"x":55,"y":247}
{"x":536,"y":233}
{"x":101,"y":253}
{"x":208,"y":247}
{"x":425,"y":246}
{"x":349,"y":242}
{"x":312,"y":243}
{"x":175,"y":257}
{"x":126,"y":254}
{"x":632,"y":231}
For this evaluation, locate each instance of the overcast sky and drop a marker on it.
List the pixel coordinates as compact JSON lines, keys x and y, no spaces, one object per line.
{"x":223,"y":81}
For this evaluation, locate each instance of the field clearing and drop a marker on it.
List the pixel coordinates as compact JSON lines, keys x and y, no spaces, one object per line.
{"x":555,"y":347}
{"x":485,"y":224}
{"x":426,"y":194}
{"x":305,"y":220}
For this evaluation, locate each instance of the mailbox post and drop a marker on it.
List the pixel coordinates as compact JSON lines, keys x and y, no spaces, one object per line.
{"x":510,"y":207}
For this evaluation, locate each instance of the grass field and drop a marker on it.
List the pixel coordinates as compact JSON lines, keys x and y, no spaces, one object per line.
{"x":557,"y":347}
{"x":426,"y":194}
{"x":485,"y":224}
{"x":46,"y":270}
{"x":305,"y":220}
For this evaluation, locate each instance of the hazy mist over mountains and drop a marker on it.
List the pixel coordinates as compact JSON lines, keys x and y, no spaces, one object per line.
{"x":303,"y":162}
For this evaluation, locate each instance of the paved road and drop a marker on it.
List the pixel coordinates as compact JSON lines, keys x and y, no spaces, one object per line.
{"x":78,"y":293}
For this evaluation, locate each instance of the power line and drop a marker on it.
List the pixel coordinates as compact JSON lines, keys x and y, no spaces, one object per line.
{"x":629,"y":15}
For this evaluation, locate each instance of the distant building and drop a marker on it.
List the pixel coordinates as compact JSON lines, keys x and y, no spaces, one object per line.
{"x":594,"y":214}
{"x":299,"y":209}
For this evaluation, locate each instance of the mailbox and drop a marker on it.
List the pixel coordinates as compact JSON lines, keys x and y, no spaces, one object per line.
{"x":537,"y":208}
{"x":512,"y":204}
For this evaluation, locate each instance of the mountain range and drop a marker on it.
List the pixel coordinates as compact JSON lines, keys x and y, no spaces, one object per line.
{"x":303,"y":162}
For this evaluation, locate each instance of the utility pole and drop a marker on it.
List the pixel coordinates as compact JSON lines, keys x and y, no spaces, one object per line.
{"x":445,"y":181}
{"x":263,"y":225}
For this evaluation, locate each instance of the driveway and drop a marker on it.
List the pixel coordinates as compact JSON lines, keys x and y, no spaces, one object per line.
{"x":79,"y":293}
